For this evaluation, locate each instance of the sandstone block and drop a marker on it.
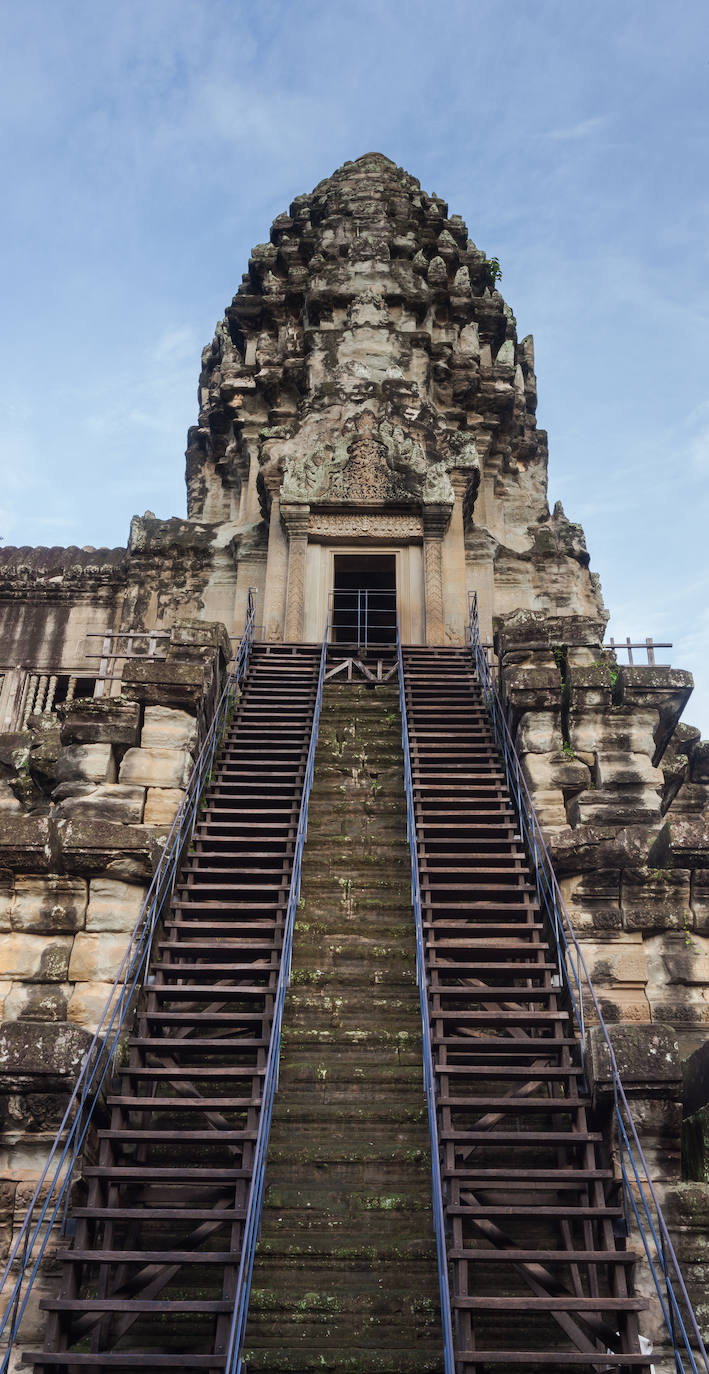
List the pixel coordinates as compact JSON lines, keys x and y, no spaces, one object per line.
{"x":619,"y":805}
{"x":635,"y":732}
{"x":593,"y":900}
{"x":8,"y":800}
{"x":619,"y":959}
{"x":626,"y":1005}
{"x":648,"y":1060}
{"x":525,"y":629}
{"x":164,"y":728}
{"x":591,"y":689}
{"x":36,"y":958}
{"x":532,"y":689}
{"x":700,"y":762}
{"x":6,"y":900}
{"x":94,"y":847}
{"x":29,"y":1051}
{"x":549,"y":806}
{"x":36,"y":1002}
{"x":155,"y":683}
{"x":86,"y":763}
{"x":120,"y":802}
{"x":87,"y":1003}
{"x":539,"y":732}
{"x":156,"y":767}
{"x":556,"y":770}
{"x":679,"y":959}
{"x":619,"y":767}
{"x":683,"y":841}
{"x":700,"y":900}
{"x":161,"y":804}
{"x":209,"y":637}
{"x":49,"y":905}
{"x":655,"y":899}
{"x":96,"y":958}
{"x":25,"y":843}
{"x":114,"y":906}
{"x":6,"y":987}
{"x":100,"y":720}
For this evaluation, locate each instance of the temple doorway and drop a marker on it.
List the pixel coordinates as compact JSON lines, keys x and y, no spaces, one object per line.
{"x":364,"y":599}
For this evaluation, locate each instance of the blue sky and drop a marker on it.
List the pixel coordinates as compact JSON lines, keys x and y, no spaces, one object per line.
{"x":147,"y":145}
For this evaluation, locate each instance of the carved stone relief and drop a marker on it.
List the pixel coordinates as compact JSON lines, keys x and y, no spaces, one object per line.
{"x":391,"y":527}
{"x":371,"y":462}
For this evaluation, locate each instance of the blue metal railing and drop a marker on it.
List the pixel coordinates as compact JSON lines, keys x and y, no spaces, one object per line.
{"x":234,"y":1361}
{"x":50,"y":1201}
{"x":429,"y":1077}
{"x":640,"y":1195}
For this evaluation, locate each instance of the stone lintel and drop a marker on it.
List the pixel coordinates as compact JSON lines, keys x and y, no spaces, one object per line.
{"x":363,"y":522}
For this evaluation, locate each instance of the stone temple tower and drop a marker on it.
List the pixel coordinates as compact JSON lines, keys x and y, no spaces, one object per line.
{"x":366,"y":458}
{"x":366,"y":396}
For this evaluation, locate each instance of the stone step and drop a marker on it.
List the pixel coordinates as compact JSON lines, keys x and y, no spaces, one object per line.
{"x":361,"y":943}
{"x":347,"y":1239}
{"x":356,"y":976}
{"x":372,"y":905}
{"x":354,"y":827}
{"x":356,"y":1278}
{"x":305,"y":1072}
{"x":350,"y":1176}
{"x":376,"y":1113}
{"x":323,"y":926}
{"x":327,"y":1196}
{"x":313,"y":1359}
{"x":346,"y":1008}
{"x":345,"y":857}
{"x":404,"y":1040}
{"x":341,"y":1147}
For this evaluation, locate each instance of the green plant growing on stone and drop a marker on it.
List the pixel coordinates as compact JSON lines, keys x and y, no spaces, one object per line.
{"x":687,"y":929}
{"x":493,"y":272}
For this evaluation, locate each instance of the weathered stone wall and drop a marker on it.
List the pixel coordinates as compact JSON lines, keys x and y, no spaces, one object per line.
{"x":621,"y":787}
{"x":78,"y":846}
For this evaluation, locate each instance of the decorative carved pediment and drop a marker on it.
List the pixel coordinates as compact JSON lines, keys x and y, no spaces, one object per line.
{"x":373,"y":462}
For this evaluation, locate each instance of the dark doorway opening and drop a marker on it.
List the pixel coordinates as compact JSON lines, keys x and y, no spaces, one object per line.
{"x":364,"y":599}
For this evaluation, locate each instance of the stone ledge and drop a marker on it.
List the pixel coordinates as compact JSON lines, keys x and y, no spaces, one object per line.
{"x":159,"y":683}
{"x":647,"y":1057}
{"x":666,"y":690}
{"x":40,"y":1050}
{"x":100,"y":720}
{"x":682,"y":843}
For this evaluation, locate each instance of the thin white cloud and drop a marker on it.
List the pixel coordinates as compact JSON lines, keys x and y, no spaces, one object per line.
{"x":585,"y":128}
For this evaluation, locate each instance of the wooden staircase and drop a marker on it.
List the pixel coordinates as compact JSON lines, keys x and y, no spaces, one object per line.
{"x":539,"y":1276}
{"x":151,"y":1276}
